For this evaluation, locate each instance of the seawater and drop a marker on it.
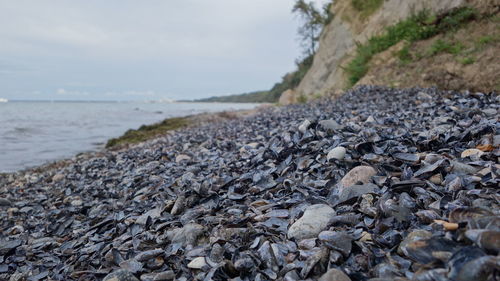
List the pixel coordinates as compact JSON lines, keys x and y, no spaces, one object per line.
{"x":33,"y":133}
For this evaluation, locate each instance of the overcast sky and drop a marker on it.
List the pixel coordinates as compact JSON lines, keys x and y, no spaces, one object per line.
{"x":125,"y":49}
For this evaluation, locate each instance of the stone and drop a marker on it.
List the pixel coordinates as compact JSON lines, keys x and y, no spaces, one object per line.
{"x":329,"y":125}
{"x":416,"y":235}
{"x":58,"y":177}
{"x":423,"y":96}
{"x":370,"y":119}
{"x":358,"y":174}
{"x":287,"y":97}
{"x":120,"y":275}
{"x":304,"y":126}
{"x":336,"y":153}
{"x":182,"y":157}
{"x":314,"y":220}
{"x":187,"y":235}
{"x":76,"y":203}
{"x":198,"y":263}
{"x":334,"y":275}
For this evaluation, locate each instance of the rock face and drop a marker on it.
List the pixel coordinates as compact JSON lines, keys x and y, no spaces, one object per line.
{"x":338,"y":40}
{"x":287,"y":97}
{"x":314,"y":220}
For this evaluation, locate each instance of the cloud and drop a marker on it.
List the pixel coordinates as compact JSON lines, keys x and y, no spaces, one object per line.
{"x":64,"y":92}
{"x":185,"y":48}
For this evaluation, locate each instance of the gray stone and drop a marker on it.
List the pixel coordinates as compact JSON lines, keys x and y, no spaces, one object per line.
{"x":187,"y":235}
{"x":330,"y":125}
{"x":314,"y":220}
{"x":334,"y":275}
{"x":303,"y":127}
{"x":358,"y":174}
{"x":120,"y":275}
{"x":336,"y":153}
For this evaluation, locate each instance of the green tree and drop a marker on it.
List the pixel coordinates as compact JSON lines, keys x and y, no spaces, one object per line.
{"x":313,"y":22}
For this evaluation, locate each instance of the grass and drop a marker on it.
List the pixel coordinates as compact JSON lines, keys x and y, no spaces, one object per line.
{"x":366,"y":7}
{"x":404,"y":54}
{"x":302,"y":99}
{"x":467,"y":60}
{"x":420,"y":26}
{"x":146,"y":132}
{"x":442,"y":46}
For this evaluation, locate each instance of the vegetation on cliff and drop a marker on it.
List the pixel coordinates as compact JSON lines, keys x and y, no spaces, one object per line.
{"x":420,"y":26}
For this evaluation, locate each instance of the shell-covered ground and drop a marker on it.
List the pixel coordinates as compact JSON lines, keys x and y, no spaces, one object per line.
{"x":379,"y":184}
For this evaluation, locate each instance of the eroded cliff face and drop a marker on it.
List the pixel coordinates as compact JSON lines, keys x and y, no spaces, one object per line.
{"x":338,"y":41}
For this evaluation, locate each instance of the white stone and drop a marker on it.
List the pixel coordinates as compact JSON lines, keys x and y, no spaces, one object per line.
{"x":336,"y":153}
{"x":303,"y":127}
{"x":197,"y":263}
{"x":314,"y":220}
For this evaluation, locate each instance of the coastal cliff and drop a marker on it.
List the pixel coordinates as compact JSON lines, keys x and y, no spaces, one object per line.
{"x":353,"y":26}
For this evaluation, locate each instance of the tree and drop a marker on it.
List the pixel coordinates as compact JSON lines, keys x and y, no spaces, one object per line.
{"x":313,"y":22}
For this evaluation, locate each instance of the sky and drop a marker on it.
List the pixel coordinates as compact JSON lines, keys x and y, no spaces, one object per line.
{"x":144,"y":50}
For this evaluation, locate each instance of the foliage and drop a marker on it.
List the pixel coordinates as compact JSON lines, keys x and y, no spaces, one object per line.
{"x":255,"y":97}
{"x":404,"y":54}
{"x":146,"y":132}
{"x":442,"y":46}
{"x":302,"y":99}
{"x":417,"y":27}
{"x":313,"y":22}
{"x":467,"y":60}
{"x":366,"y":7}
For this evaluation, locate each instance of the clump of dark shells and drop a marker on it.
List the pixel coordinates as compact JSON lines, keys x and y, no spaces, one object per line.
{"x":379,"y":184}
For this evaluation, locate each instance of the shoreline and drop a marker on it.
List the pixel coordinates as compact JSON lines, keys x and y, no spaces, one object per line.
{"x":379,"y":179}
{"x":192,"y":120}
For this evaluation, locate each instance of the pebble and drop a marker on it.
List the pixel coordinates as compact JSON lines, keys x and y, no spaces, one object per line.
{"x":313,"y":221}
{"x":359,"y":174}
{"x":337,"y":153}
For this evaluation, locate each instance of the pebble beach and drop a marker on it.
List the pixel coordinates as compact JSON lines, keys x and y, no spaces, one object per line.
{"x":377,"y":184}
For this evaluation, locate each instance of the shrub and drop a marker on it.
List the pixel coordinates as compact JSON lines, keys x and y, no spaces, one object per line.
{"x":366,"y":7}
{"x":420,"y":26}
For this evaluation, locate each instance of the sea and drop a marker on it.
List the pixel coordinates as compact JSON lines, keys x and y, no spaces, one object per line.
{"x":36,"y":132}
